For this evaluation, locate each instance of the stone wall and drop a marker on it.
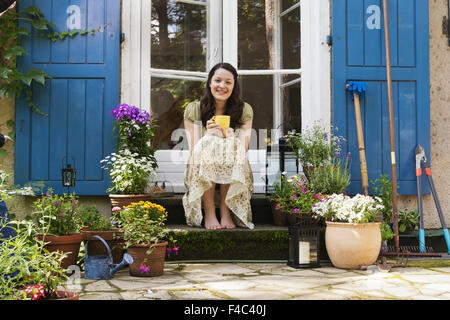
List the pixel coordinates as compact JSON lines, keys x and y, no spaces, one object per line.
{"x":440,"y":120}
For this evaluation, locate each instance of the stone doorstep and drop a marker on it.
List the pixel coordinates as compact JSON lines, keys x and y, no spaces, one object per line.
{"x":264,"y":242}
{"x":261,"y":210}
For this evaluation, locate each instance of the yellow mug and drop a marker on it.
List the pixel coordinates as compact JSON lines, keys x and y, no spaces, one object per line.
{"x":223,"y":121}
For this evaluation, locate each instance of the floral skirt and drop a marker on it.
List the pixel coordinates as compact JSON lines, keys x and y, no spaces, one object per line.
{"x":222,"y":161}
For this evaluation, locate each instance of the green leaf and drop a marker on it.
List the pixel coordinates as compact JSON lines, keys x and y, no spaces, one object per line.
{"x":23,"y":31}
{"x":10,"y":123}
{"x":3,"y":153}
{"x":15,"y":51}
{"x":33,"y":11}
{"x":40,"y":24}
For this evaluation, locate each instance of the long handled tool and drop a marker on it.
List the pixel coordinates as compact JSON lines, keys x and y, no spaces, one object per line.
{"x":391,"y":125}
{"x":421,"y":160}
{"x":358,"y":88}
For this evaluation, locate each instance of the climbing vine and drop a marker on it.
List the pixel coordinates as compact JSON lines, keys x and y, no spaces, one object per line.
{"x":13,"y":82}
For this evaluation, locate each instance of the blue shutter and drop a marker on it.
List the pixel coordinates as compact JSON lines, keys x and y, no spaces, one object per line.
{"x":359,"y":55}
{"x":83,"y":88}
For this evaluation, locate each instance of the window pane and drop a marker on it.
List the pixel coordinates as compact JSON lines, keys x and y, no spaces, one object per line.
{"x":286,"y":4}
{"x":253,"y":32}
{"x":258,"y":92}
{"x":178,"y":36}
{"x":291,"y":97}
{"x":291,"y":39}
{"x":168,"y":99}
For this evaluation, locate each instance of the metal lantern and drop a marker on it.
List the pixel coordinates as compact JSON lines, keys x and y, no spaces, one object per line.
{"x":284,"y":154}
{"x":304,"y":245}
{"x":69,"y":176}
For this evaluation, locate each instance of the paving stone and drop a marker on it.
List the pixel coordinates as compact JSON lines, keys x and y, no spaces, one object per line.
{"x":216,"y":268}
{"x":446,"y":270}
{"x":101,"y":296}
{"x":427,"y":278}
{"x":255,"y":294}
{"x":194,"y":295}
{"x":291,"y":282}
{"x":100,"y":285}
{"x":229,"y":285}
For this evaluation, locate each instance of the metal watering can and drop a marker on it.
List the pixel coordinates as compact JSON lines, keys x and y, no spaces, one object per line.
{"x":102,"y":267}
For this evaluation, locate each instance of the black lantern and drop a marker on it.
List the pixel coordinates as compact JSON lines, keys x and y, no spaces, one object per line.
{"x":69,"y":176}
{"x":304,"y":244}
{"x":285,"y":154}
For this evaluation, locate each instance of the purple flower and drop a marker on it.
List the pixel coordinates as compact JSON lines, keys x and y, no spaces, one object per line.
{"x":294,"y":197}
{"x":349,"y":155}
{"x":337,"y":154}
{"x":62,"y":215}
{"x":340,"y":141}
{"x":57,"y":204}
{"x":277,"y":207}
{"x":325,"y":136}
{"x":296,"y":210}
{"x":144,"y":269}
{"x":317,"y":195}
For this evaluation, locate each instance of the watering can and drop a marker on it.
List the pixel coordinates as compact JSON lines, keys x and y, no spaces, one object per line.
{"x":102,"y":267}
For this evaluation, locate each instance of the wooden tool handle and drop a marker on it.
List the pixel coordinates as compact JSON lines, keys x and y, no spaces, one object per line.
{"x":361,"y":147}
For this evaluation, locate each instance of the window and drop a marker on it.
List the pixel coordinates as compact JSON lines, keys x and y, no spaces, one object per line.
{"x":278,"y":47}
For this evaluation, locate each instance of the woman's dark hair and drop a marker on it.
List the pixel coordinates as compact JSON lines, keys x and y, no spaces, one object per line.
{"x":234,"y":106}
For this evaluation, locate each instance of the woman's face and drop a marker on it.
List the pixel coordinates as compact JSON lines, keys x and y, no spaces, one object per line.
{"x":222,"y":84}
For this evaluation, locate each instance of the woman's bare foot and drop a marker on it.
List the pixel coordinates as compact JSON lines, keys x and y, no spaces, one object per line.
{"x":211,"y":221}
{"x":226,"y":221}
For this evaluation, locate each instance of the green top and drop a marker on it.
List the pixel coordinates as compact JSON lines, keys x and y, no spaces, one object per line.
{"x":192,"y":112}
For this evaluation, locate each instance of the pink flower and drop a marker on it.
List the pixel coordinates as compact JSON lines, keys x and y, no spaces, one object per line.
{"x":144,"y":269}
{"x":277,"y":207}
{"x":296,"y":210}
{"x":116,"y":209}
{"x":294,"y":197}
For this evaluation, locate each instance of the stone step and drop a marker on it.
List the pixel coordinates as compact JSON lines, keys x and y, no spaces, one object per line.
{"x":263,"y":243}
{"x":261,"y":210}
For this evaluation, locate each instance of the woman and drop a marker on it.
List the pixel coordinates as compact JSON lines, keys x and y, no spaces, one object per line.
{"x":218,"y":156}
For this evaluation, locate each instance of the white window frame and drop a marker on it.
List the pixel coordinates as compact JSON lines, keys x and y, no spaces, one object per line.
{"x":315,"y":73}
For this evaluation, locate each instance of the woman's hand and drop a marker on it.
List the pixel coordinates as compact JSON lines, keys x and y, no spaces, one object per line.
{"x":229,"y":132}
{"x":212,"y":128}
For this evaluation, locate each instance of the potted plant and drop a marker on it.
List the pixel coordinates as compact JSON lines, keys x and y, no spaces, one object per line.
{"x":299,"y":199}
{"x":94,"y":223}
{"x":27,"y":271}
{"x":282,"y":190}
{"x":58,"y":224}
{"x":314,"y":147}
{"x":133,"y":163}
{"x":145,"y":236}
{"x":408,"y":221}
{"x":352,"y":234}
{"x":333,"y":177}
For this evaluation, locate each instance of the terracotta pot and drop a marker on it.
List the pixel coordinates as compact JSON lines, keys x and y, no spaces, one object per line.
{"x":122,"y":200}
{"x":279,"y":217}
{"x":66,"y":295}
{"x":154,"y":261}
{"x":69,"y":244}
{"x":113,"y":238}
{"x":352,"y":245}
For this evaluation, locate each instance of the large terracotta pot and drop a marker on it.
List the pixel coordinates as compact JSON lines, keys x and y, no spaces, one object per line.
{"x":122,"y":200}
{"x":352,"y":245}
{"x":114,"y":239}
{"x":69,"y":244}
{"x":153,"y":261}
